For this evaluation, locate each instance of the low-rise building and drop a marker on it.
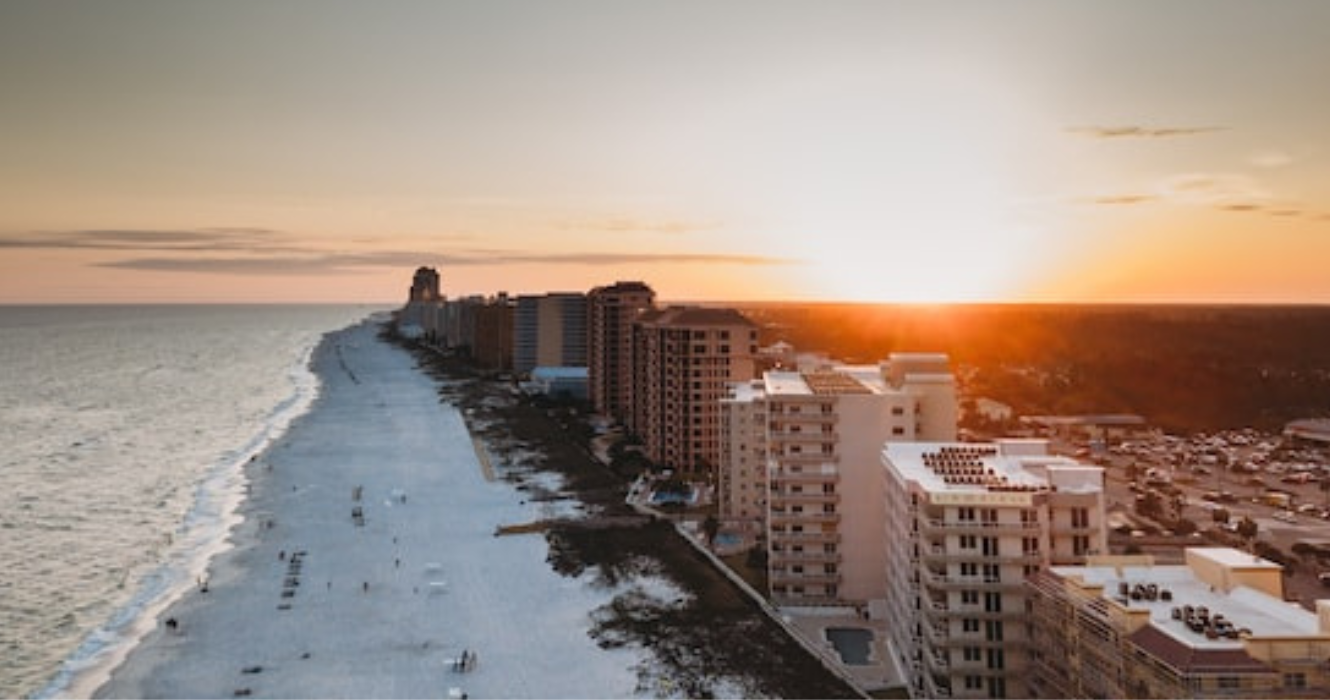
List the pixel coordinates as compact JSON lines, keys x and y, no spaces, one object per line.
{"x":1215,"y":626}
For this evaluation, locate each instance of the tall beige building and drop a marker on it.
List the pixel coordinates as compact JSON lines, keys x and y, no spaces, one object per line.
{"x":1215,"y":626}
{"x":684,"y":359}
{"x":611,"y":312}
{"x":808,"y":444}
{"x":965,"y":524}
{"x":741,"y":480}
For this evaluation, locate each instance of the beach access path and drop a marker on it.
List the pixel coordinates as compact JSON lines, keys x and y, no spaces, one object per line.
{"x":367,"y":563}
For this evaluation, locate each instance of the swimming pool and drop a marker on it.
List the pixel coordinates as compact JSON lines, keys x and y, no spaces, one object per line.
{"x":729,"y":539}
{"x":663,"y":497}
{"x":853,"y":644}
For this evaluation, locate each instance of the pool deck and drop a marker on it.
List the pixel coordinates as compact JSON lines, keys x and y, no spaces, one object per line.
{"x":879,"y":673}
{"x":809,"y":624}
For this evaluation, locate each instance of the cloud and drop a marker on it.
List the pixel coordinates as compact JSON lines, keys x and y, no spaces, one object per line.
{"x":1214,"y":189}
{"x":204,"y":239}
{"x":258,"y":251}
{"x":1119,"y":199}
{"x":352,"y":263}
{"x":628,"y":224}
{"x":1136,"y":131}
{"x":642,"y":259}
{"x":1270,"y":159}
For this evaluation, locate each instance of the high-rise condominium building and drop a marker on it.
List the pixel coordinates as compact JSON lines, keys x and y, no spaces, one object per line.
{"x":550,"y":330}
{"x":807,"y":444}
{"x":1216,"y":626}
{"x":611,"y":312}
{"x":966,"y":523}
{"x":684,"y":359}
{"x":424,"y":285}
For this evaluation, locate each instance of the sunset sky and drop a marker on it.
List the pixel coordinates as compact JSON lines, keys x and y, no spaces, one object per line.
{"x":879,"y":151}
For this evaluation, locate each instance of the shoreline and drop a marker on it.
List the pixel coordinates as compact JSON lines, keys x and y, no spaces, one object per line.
{"x":311,"y":600}
{"x":222,"y":490}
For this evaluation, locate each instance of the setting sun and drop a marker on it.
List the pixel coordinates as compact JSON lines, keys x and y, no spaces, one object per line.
{"x":880,"y":152}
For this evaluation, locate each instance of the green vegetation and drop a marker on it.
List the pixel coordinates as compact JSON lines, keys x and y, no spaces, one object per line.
{"x":1184,"y":368}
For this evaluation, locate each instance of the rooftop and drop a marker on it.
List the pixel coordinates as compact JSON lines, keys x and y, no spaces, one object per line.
{"x":1004,"y":465}
{"x":1187,"y":611}
{"x":698,"y":316}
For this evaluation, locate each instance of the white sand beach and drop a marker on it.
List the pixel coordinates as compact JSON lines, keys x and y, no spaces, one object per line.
{"x":313,"y":601}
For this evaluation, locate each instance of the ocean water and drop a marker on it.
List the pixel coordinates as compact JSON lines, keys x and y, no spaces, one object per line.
{"x":123,"y":434}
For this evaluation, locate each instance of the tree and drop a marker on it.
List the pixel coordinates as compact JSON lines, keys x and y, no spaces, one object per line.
{"x":711,"y":527}
{"x":1247,"y":529}
{"x":1184,"y":527}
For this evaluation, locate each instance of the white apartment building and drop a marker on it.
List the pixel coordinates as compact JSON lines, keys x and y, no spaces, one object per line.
{"x":965,"y":524}
{"x":806,"y":444}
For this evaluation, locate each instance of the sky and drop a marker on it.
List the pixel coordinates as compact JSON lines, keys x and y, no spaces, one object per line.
{"x":320,"y":150}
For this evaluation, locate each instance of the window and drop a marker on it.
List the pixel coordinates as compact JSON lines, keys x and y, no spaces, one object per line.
{"x":1295,"y":681}
{"x":996,"y":659}
{"x":970,"y":625}
{"x":992,"y":602}
{"x":974,"y":682}
{"x":1229,"y":683}
{"x":992,"y":573}
{"x":1080,"y":517}
{"x":990,"y":515}
{"x":965,"y":513}
{"x":1080,"y":545}
{"x":970,"y":597}
{"x":897,"y":411}
{"x":968,"y":541}
{"x":972,"y":653}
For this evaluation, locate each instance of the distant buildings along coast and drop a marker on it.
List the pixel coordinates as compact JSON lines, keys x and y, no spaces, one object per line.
{"x":984,"y":567}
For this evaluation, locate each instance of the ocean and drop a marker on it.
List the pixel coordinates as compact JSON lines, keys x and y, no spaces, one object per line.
{"x":124,"y":432}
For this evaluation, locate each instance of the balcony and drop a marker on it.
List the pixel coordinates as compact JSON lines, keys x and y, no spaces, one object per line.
{"x":939,"y":526}
{"x":817,"y":537}
{"x":806,"y":578}
{"x":938,"y":662}
{"x":817,"y":471}
{"x":786,"y":517}
{"x":806,"y":434}
{"x":803,"y":458}
{"x":806,"y":497}
{"x":937,"y":556}
{"x":943,"y":581}
{"x":786,"y":556}
{"x":1069,"y":529}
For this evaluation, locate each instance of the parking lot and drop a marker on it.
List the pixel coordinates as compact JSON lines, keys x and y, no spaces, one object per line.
{"x":1284,"y":488}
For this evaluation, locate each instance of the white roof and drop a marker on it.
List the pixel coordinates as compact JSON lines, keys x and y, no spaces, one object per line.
{"x":1244,"y":607}
{"x":1018,"y":462}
